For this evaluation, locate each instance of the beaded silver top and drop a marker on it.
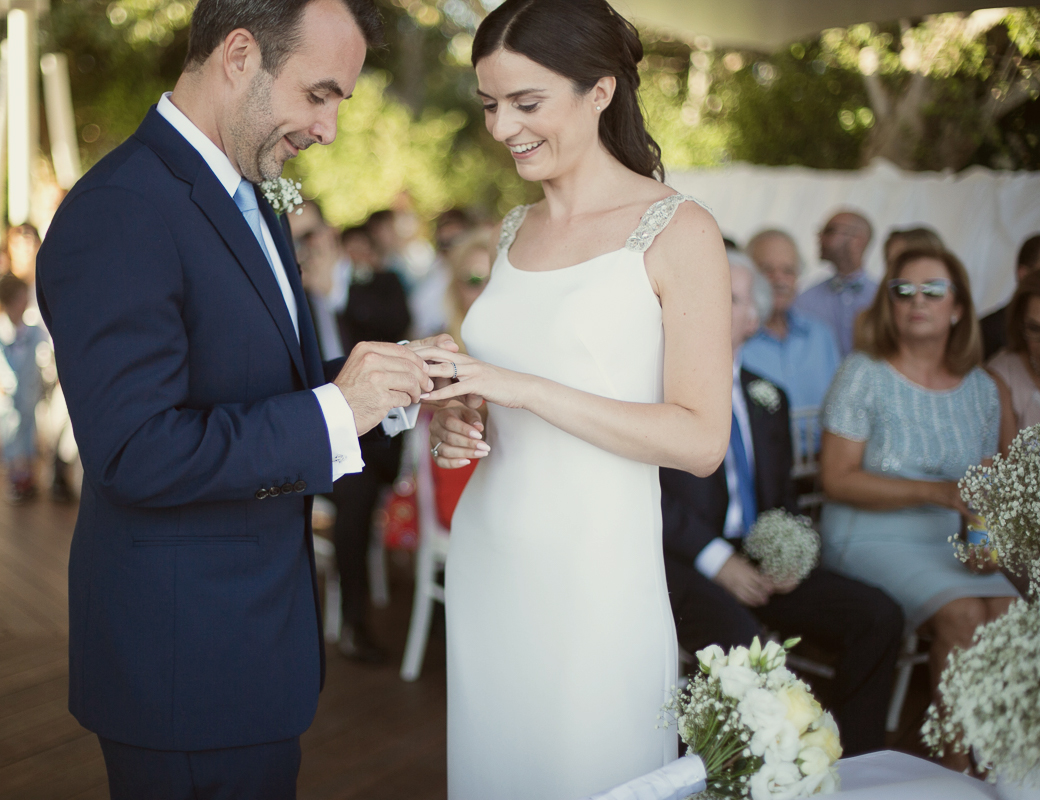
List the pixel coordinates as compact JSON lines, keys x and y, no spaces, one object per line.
{"x":654,"y":221}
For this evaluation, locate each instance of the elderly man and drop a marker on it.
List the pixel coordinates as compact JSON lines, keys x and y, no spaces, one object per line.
{"x":796,"y":352}
{"x":839,"y":299}
{"x":720,"y":597}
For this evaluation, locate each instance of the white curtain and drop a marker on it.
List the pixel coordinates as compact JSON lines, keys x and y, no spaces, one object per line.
{"x":983,"y":216}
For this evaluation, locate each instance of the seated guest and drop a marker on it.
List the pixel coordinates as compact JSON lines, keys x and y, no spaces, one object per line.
{"x":796,"y":352}
{"x":1016,"y":368}
{"x":838,"y":299}
{"x":902,"y":422}
{"x":898,"y":242}
{"x":994,"y":325}
{"x":719,"y":597}
{"x":428,"y":301}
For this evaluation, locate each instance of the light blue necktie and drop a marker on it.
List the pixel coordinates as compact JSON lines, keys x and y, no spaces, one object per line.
{"x":245,"y":199}
{"x":745,"y":480}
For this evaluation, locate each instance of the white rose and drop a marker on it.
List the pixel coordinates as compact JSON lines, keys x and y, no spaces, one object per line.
{"x":824,"y":737}
{"x":737,"y":680}
{"x":776,"y":782}
{"x":760,"y":710}
{"x":773,"y":655}
{"x":813,"y":761}
{"x":708,"y":655}
{"x":802,"y":708}
{"x":777,"y":745}
{"x":739,"y":656}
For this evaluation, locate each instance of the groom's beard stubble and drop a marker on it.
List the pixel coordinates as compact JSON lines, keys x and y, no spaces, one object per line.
{"x":259,"y":156}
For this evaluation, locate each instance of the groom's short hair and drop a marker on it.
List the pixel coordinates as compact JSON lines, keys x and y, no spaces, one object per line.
{"x":275,"y":24}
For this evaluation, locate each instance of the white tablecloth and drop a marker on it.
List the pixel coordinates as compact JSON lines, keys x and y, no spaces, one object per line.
{"x":888,"y":775}
{"x":885,"y":775}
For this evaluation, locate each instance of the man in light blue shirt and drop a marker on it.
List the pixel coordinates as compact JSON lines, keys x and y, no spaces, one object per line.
{"x":838,"y":300}
{"x":795,"y":351}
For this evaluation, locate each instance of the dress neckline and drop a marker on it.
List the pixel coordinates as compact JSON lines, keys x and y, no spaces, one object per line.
{"x":915,"y":385}
{"x":653,"y":221}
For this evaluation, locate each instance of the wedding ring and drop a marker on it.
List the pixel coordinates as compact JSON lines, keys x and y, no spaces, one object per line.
{"x":455,"y":371}
{"x":435,"y":448}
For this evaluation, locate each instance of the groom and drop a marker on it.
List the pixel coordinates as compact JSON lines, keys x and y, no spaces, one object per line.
{"x":205,"y":417}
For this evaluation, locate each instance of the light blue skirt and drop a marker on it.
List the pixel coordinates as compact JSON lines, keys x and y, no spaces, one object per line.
{"x":906,"y":554}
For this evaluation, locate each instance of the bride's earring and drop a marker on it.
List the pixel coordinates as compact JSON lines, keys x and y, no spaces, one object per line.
{"x":598,"y":108}
{"x":954,"y":319}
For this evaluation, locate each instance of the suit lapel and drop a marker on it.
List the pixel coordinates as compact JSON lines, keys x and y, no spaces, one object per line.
{"x":282,"y":236}
{"x":218,"y":206}
{"x":759,"y":422}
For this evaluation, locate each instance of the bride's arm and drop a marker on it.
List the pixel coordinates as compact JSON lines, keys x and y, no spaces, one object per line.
{"x":690,"y":429}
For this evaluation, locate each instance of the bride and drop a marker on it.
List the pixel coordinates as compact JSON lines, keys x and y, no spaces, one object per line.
{"x":602,"y":343}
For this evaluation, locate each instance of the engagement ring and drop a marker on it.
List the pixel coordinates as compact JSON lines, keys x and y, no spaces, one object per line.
{"x":435,"y":448}
{"x":455,"y":371}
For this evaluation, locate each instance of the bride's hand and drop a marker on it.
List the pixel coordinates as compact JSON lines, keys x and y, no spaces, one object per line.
{"x":456,"y":436}
{"x":477,"y":381}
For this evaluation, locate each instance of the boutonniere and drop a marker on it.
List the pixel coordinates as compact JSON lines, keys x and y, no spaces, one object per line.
{"x":283,"y":195}
{"x":765,"y":394}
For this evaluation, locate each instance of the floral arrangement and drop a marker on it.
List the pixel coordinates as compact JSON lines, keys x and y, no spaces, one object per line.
{"x":785,"y":546}
{"x":283,"y":195}
{"x":1007,"y":495}
{"x":765,"y":394}
{"x":757,"y":728}
{"x":989,"y":697}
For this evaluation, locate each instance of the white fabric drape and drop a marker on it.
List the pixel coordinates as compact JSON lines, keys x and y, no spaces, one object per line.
{"x":982,"y":215}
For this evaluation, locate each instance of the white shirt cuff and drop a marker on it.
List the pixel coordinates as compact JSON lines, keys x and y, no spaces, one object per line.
{"x":401,"y":419}
{"x":343,"y":438}
{"x":710,"y":560}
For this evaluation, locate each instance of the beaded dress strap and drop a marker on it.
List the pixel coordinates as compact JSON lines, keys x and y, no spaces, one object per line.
{"x":655,"y":220}
{"x":510,"y":225}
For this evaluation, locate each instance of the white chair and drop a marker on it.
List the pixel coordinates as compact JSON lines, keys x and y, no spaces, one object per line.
{"x":430,"y":558}
{"x":323,"y":517}
{"x":805,"y":438}
{"x":909,"y":657}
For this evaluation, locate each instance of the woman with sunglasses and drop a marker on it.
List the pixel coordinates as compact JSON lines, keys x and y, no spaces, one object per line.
{"x":1016,"y":368}
{"x":904,"y":419}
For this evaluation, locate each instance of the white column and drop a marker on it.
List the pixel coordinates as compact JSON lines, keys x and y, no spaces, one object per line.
{"x":22,"y":112}
{"x":61,"y":123}
{"x":3,"y":128}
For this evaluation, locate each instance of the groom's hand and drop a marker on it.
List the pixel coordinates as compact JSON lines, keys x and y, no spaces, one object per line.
{"x":379,"y":377}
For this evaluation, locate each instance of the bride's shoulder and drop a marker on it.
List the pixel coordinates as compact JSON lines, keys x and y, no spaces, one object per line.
{"x":688,"y":237}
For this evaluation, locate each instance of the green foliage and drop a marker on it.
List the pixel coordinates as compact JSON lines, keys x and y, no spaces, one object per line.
{"x":792,"y":108}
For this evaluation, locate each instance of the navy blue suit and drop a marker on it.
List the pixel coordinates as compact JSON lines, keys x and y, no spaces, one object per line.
{"x":194,"y":617}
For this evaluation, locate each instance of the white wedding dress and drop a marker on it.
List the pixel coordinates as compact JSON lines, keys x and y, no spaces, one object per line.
{"x":561,"y":644}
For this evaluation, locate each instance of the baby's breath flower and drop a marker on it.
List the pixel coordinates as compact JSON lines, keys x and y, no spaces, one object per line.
{"x":283,"y":195}
{"x":786,"y":546}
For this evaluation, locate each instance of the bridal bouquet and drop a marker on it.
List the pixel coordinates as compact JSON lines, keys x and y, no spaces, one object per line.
{"x":785,"y":546}
{"x":1007,"y":495}
{"x":757,"y":728}
{"x":989,"y":697}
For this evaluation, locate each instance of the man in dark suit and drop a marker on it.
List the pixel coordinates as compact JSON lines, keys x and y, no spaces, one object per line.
{"x":205,"y":416}
{"x":719,"y":597}
{"x":994,"y":324}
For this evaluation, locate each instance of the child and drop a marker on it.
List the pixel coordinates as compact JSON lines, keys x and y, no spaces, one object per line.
{"x":18,"y":343}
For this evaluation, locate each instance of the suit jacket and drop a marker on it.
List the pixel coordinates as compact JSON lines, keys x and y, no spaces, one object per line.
{"x":694,"y":509}
{"x":193,"y":609}
{"x":994,"y":332}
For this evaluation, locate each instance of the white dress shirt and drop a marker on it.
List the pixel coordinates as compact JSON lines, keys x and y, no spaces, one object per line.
{"x":717,"y":552}
{"x":339,"y":419}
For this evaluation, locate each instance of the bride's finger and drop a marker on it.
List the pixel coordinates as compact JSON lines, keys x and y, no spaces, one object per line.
{"x":439,"y":355}
{"x":451,"y":452}
{"x":459,"y":389}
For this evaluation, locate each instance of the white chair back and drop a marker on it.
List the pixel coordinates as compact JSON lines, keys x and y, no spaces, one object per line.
{"x":805,"y":444}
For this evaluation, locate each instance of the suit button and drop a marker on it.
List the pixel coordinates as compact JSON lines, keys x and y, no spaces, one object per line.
{"x":299,"y":486}
{"x":287,"y":488}
{"x":261,"y":494}
{"x":274,"y":491}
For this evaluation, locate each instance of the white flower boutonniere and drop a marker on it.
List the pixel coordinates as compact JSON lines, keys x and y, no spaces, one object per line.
{"x":283,"y":195}
{"x":765,"y":394}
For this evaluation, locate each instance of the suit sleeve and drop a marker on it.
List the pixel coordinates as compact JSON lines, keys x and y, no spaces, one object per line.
{"x":111,"y":292}
{"x":686,"y":532}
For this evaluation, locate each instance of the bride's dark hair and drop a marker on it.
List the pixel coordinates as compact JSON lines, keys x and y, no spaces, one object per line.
{"x":583,"y":40}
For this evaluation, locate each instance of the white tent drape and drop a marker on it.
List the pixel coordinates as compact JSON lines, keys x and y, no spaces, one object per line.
{"x":983,"y":216}
{"x":767,"y":24}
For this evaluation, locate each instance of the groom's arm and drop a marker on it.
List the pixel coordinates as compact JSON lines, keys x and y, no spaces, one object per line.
{"x":111,"y":292}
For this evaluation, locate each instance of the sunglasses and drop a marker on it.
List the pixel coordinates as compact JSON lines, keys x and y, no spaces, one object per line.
{"x":905,"y":290}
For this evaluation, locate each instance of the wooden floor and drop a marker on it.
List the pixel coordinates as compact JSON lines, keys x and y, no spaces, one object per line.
{"x":374,"y":737}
